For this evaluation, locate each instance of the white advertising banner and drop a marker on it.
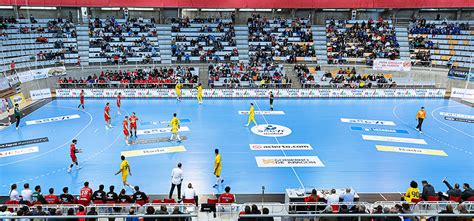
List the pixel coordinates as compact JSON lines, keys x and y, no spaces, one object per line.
{"x":254,"y":93}
{"x":290,"y":161}
{"x":394,"y":139}
{"x":53,"y":119}
{"x":280,"y":146}
{"x":391,"y":65}
{"x":462,"y":93}
{"x":40,"y":74}
{"x":4,"y":84}
{"x":465,"y":116}
{"x":40,"y":94}
{"x":13,"y":79}
{"x":160,"y":130}
{"x":363,"y":121}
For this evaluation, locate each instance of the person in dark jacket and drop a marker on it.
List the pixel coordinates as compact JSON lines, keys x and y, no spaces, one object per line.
{"x":467,"y":193}
{"x":452,"y":192}
{"x":428,"y":190}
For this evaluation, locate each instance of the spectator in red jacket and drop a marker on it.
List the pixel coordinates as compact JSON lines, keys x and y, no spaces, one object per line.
{"x":227,"y":197}
{"x":51,"y":198}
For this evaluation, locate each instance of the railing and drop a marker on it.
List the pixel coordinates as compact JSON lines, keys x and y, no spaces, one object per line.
{"x":247,"y":84}
{"x":358,"y":216}
{"x":117,"y":85}
{"x":374,"y":85}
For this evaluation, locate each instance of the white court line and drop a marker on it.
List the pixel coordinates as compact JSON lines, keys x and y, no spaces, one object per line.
{"x":60,"y":146}
{"x":443,"y":130}
{"x":460,"y":131}
{"x":276,"y":139}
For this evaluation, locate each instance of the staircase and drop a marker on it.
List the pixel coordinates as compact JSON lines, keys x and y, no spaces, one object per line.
{"x":83,"y":43}
{"x":402,"y":38}
{"x":242,"y":39}
{"x":320,"y":45}
{"x":164,"y":42}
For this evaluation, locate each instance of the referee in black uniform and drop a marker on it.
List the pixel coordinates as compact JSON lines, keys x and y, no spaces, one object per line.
{"x":271,"y":101}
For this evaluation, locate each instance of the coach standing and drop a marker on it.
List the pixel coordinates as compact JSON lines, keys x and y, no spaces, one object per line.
{"x":176,"y":180}
{"x":17,"y":114}
{"x":420,"y":116}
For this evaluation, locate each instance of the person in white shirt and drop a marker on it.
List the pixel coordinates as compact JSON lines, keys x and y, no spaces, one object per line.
{"x":14,"y":195}
{"x":26,"y":193}
{"x":347,"y":197}
{"x":190,"y":193}
{"x":176,"y":180}
{"x":332,"y":198}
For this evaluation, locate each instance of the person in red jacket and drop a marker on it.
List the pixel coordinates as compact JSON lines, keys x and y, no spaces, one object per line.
{"x":227,"y":197}
{"x":85,"y":193}
{"x":81,"y":212}
{"x":51,"y":198}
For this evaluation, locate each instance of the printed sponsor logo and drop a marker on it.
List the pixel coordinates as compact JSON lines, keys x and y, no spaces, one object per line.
{"x":145,"y":123}
{"x":263,"y":112}
{"x":459,"y":119}
{"x":24,"y":142}
{"x":465,"y":116}
{"x":291,"y":161}
{"x":394,"y":139}
{"x":362,"y":121}
{"x":271,"y":130}
{"x":53,"y":119}
{"x":153,"y":151}
{"x":40,"y":94}
{"x":411,"y":150}
{"x":384,"y":130}
{"x":21,"y":151}
{"x":280,"y":147}
{"x":160,"y":130}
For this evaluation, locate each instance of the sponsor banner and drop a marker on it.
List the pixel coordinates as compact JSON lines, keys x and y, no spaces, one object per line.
{"x":459,"y":119}
{"x":462,"y":93}
{"x":271,"y":130}
{"x":26,"y":150}
{"x":384,"y":130}
{"x":4,"y":84}
{"x":153,"y":151}
{"x":460,"y":75}
{"x":254,"y":93}
{"x":32,"y":75}
{"x":411,"y":150}
{"x":465,"y":116}
{"x":40,"y":94}
{"x":24,"y":142}
{"x":146,"y":123}
{"x":394,"y":139}
{"x":280,"y":147}
{"x":391,"y":65}
{"x":13,"y":79}
{"x":52,"y":119}
{"x":263,"y":112}
{"x":160,"y":130}
{"x":290,"y":161}
{"x":363,"y":121}
{"x":17,"y":99}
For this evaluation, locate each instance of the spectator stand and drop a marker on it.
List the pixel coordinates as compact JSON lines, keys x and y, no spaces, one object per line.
{"x":360,"y":41}
{"x":120,"y":41}
{"x":444,"y":42}
{"x":282,"y":40}
{"x":203,"y":39}
{"x":37,"y":43}
{"x":158,"y":77}
{"x":238,"y":75}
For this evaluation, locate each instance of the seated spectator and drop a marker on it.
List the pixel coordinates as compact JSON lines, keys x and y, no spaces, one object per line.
{"x":112,"y":197}
{"x":99,"y":195}
{"x":428,"y":190}
{"x":190,"y":193}
{"x":124,"y":198}
{"x":313,"y":197}
{"x":51,"y":198}
{"x":14,"y":195}
{"x":176,"y":211}
{"x":150,"y":210}
{"x":347,"y":197}
{"x":131,"y":211}
{"x":448,"y":210}
{"x":26,"y":194}
{"x":85,"y":193}
{"x":412,"y":193}
{"x":227,"y":197}
{"x":81,"y":212}
{"x":332,"y":198}
{"x":468,"y":193}
{"x":66,"y":198}
{"x":255,"y":210}
{"x":452,"y":192}
{"x":139,"y":196}
{"x":92,"y":212}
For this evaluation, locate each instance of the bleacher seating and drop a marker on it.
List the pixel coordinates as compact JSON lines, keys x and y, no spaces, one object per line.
{"x":123,"y":41}
{"x":45,"y":42}
{"x":360,"y":40}
{"x":210,"y":39}
{"x":280,"y":39}
{"x":452,"y":41}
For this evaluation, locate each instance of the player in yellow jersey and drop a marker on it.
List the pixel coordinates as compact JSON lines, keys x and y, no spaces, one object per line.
{"x":175,"y":125}
{"x":199,"y":95}
{"x":251,"y":115}
{"x":217,"y":168}
{"x":178,"y":91}
{"x":413,"y":193}
{"x":125,"y":170}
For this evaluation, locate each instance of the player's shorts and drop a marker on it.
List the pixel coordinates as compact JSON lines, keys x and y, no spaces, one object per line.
{"x":118,"y":104}
{"x":133,"y":126}
{"x":73,"y":158}
{"x":106,"y":118}
{"x":218,"y":171}
{"x":82,"y":101}
{"x":125,"y":132}
{"x":124,"y":177}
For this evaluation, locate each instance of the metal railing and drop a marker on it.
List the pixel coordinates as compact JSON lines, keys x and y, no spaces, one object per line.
{"x":374,"y":85}
{"x":246,"y":84}
{"x":118,"y":85}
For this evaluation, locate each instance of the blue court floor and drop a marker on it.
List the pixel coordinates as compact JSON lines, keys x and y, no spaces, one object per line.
{"x":348,"y":159}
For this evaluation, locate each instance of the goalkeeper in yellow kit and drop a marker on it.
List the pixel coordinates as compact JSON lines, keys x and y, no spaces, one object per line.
{"x":251,"y":115}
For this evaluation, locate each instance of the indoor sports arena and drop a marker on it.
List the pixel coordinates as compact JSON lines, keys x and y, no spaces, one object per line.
{"x":180,"y":110}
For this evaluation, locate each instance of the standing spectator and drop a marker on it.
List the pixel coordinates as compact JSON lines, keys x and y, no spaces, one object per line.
{"x":420,"y":116}
{"x":176,"y":180}
{"x":12,"y":67}
{"x":428,"y":190}
{"x":26,"y":194}
{"x":413,"y":193}
{"x":14,"y":195}
{"x":66,"y":198}
{"x":190,"y":193}
{"x":227,"y":197}
{"x":99,"y":194}
{"x":51,"y":198}
{"x":37,"y":196}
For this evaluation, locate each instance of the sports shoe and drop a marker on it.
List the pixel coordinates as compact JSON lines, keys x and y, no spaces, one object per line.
{"x":222,"y":180}
{"x":444,"y":179}
{"x":215,"y":186}
{"x":78,"y":167}
{"x":69,"y":170}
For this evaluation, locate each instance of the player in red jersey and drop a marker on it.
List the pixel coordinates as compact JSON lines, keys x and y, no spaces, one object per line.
{"x":133,"y":124}
{"x":107,"y":117}
{"x":119,"y":102}
{"x":85,"y":193}
{"x":51,"y":198}
{"x":73,"y":151}
{"x":125,"y":130}
{"x":81,"y":98}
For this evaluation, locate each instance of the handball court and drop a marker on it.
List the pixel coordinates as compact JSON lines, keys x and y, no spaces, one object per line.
{"x":368,"y":144}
